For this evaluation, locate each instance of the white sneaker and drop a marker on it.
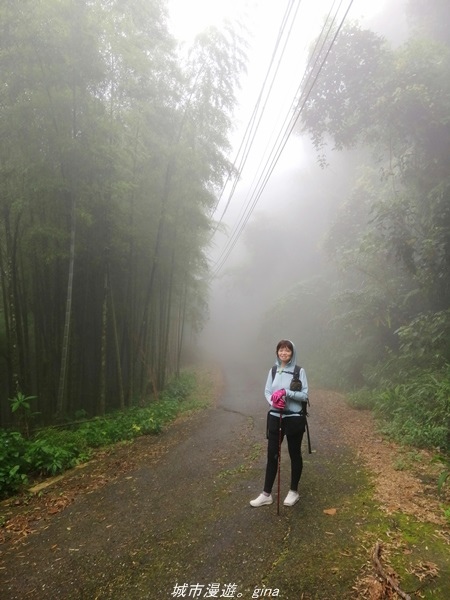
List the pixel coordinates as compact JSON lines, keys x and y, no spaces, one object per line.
{"x":262,"y":500}
{"x":292,"y":498}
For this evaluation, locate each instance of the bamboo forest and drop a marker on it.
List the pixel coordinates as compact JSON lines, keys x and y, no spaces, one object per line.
{"x":112,"y":149}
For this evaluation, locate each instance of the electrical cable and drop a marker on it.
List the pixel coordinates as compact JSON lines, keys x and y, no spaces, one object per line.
{"x":254,"y":122}
{"x":281,"y":32}
{"x":287,"y":128}
{"x":289,"y":116}
{"x":289,"y":124}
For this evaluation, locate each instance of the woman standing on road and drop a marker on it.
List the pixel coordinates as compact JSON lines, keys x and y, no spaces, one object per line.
{"x":288,"y":413}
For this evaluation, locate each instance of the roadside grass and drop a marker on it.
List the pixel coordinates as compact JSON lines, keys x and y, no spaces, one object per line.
{"x":54,"y":450}
{"x":415,"y":415}
{"x":418,"y":553}
{"x":415,"y":412}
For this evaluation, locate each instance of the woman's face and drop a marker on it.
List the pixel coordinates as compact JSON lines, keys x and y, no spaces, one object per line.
{"x":284,"y":354}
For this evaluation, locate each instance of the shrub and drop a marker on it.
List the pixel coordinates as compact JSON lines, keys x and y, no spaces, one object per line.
{"x":54,"y":451}
{"x":13,"y":466}
{"x":363,"y":399}
{"x":180,"y":387}
{"x":21,"y":405}
{"x":426,"y":340}
{"x":418,"y":412}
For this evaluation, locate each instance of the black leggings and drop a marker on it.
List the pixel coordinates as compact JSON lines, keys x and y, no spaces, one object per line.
{"x":295,"y":452}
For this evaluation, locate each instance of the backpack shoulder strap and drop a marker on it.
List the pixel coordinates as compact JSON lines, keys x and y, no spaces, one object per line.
{"x":295,"y":373}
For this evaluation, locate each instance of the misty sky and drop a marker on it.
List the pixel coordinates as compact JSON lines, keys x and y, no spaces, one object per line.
{"x":265,"y":20}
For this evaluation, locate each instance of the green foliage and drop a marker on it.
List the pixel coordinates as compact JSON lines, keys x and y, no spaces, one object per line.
{"x":180,"y":387}
{"x":447,"y":514}
{"x":21,"y":405}
{"x":410,"y":390}
{"x":363,"y":399}
{"x":116,"y":427}
{"x":444,"y":476}
{"x":417,"y":412}
{"x":52,"y":450}
{"x":425,"y":341}
{"x":12,"y":462}
{"x":338,"y":102}
{"x":391,"y":237}
{"x":443,"y":479}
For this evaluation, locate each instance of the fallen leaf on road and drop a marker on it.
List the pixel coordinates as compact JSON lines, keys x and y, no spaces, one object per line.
{"x":330,"y":511}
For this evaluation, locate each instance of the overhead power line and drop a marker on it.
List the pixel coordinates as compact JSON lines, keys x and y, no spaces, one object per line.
{"x":303,"y":91}
{"x":261,"y":103}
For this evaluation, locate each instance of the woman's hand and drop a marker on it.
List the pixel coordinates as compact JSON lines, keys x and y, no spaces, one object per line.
{"x":278,"y":399}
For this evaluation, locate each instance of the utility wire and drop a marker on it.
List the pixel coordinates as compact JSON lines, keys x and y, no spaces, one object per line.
{"x":247,"y":212}
{"x":303,"y":85}
{"x":254,"y":122}
{"x":289,"y":124}
{"x":261,"y":115}
{"x":249,"y":144}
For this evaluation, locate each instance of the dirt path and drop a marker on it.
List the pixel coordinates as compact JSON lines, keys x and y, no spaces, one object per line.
{"x":169,"y":517}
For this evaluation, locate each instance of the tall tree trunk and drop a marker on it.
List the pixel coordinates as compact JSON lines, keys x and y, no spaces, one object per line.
{"x":11,"y":310}
{"x":130,"y":350}
{"x":143,"y":331}
{"x":116,"y":347}
{"x":103,"y":352}
{"x":180,"y":327}
{"x":166,"y":324}
{"x":62,"y":401}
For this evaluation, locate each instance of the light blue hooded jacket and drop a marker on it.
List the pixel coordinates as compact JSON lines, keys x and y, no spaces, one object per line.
{"x":282,"y":380}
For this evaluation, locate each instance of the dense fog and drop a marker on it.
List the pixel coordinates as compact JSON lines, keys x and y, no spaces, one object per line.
{"x":283,"y":241}
{"x":280,"y":246}
{"x":345,"y":252}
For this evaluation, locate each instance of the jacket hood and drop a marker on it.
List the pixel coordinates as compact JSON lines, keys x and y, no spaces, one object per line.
{"x":293,"y":360}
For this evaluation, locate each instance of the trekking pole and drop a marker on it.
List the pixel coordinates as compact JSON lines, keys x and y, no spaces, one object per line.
{"x":279,"y":466}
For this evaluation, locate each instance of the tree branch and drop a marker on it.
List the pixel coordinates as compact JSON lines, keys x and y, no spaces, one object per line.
{"x":382,"y":573}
